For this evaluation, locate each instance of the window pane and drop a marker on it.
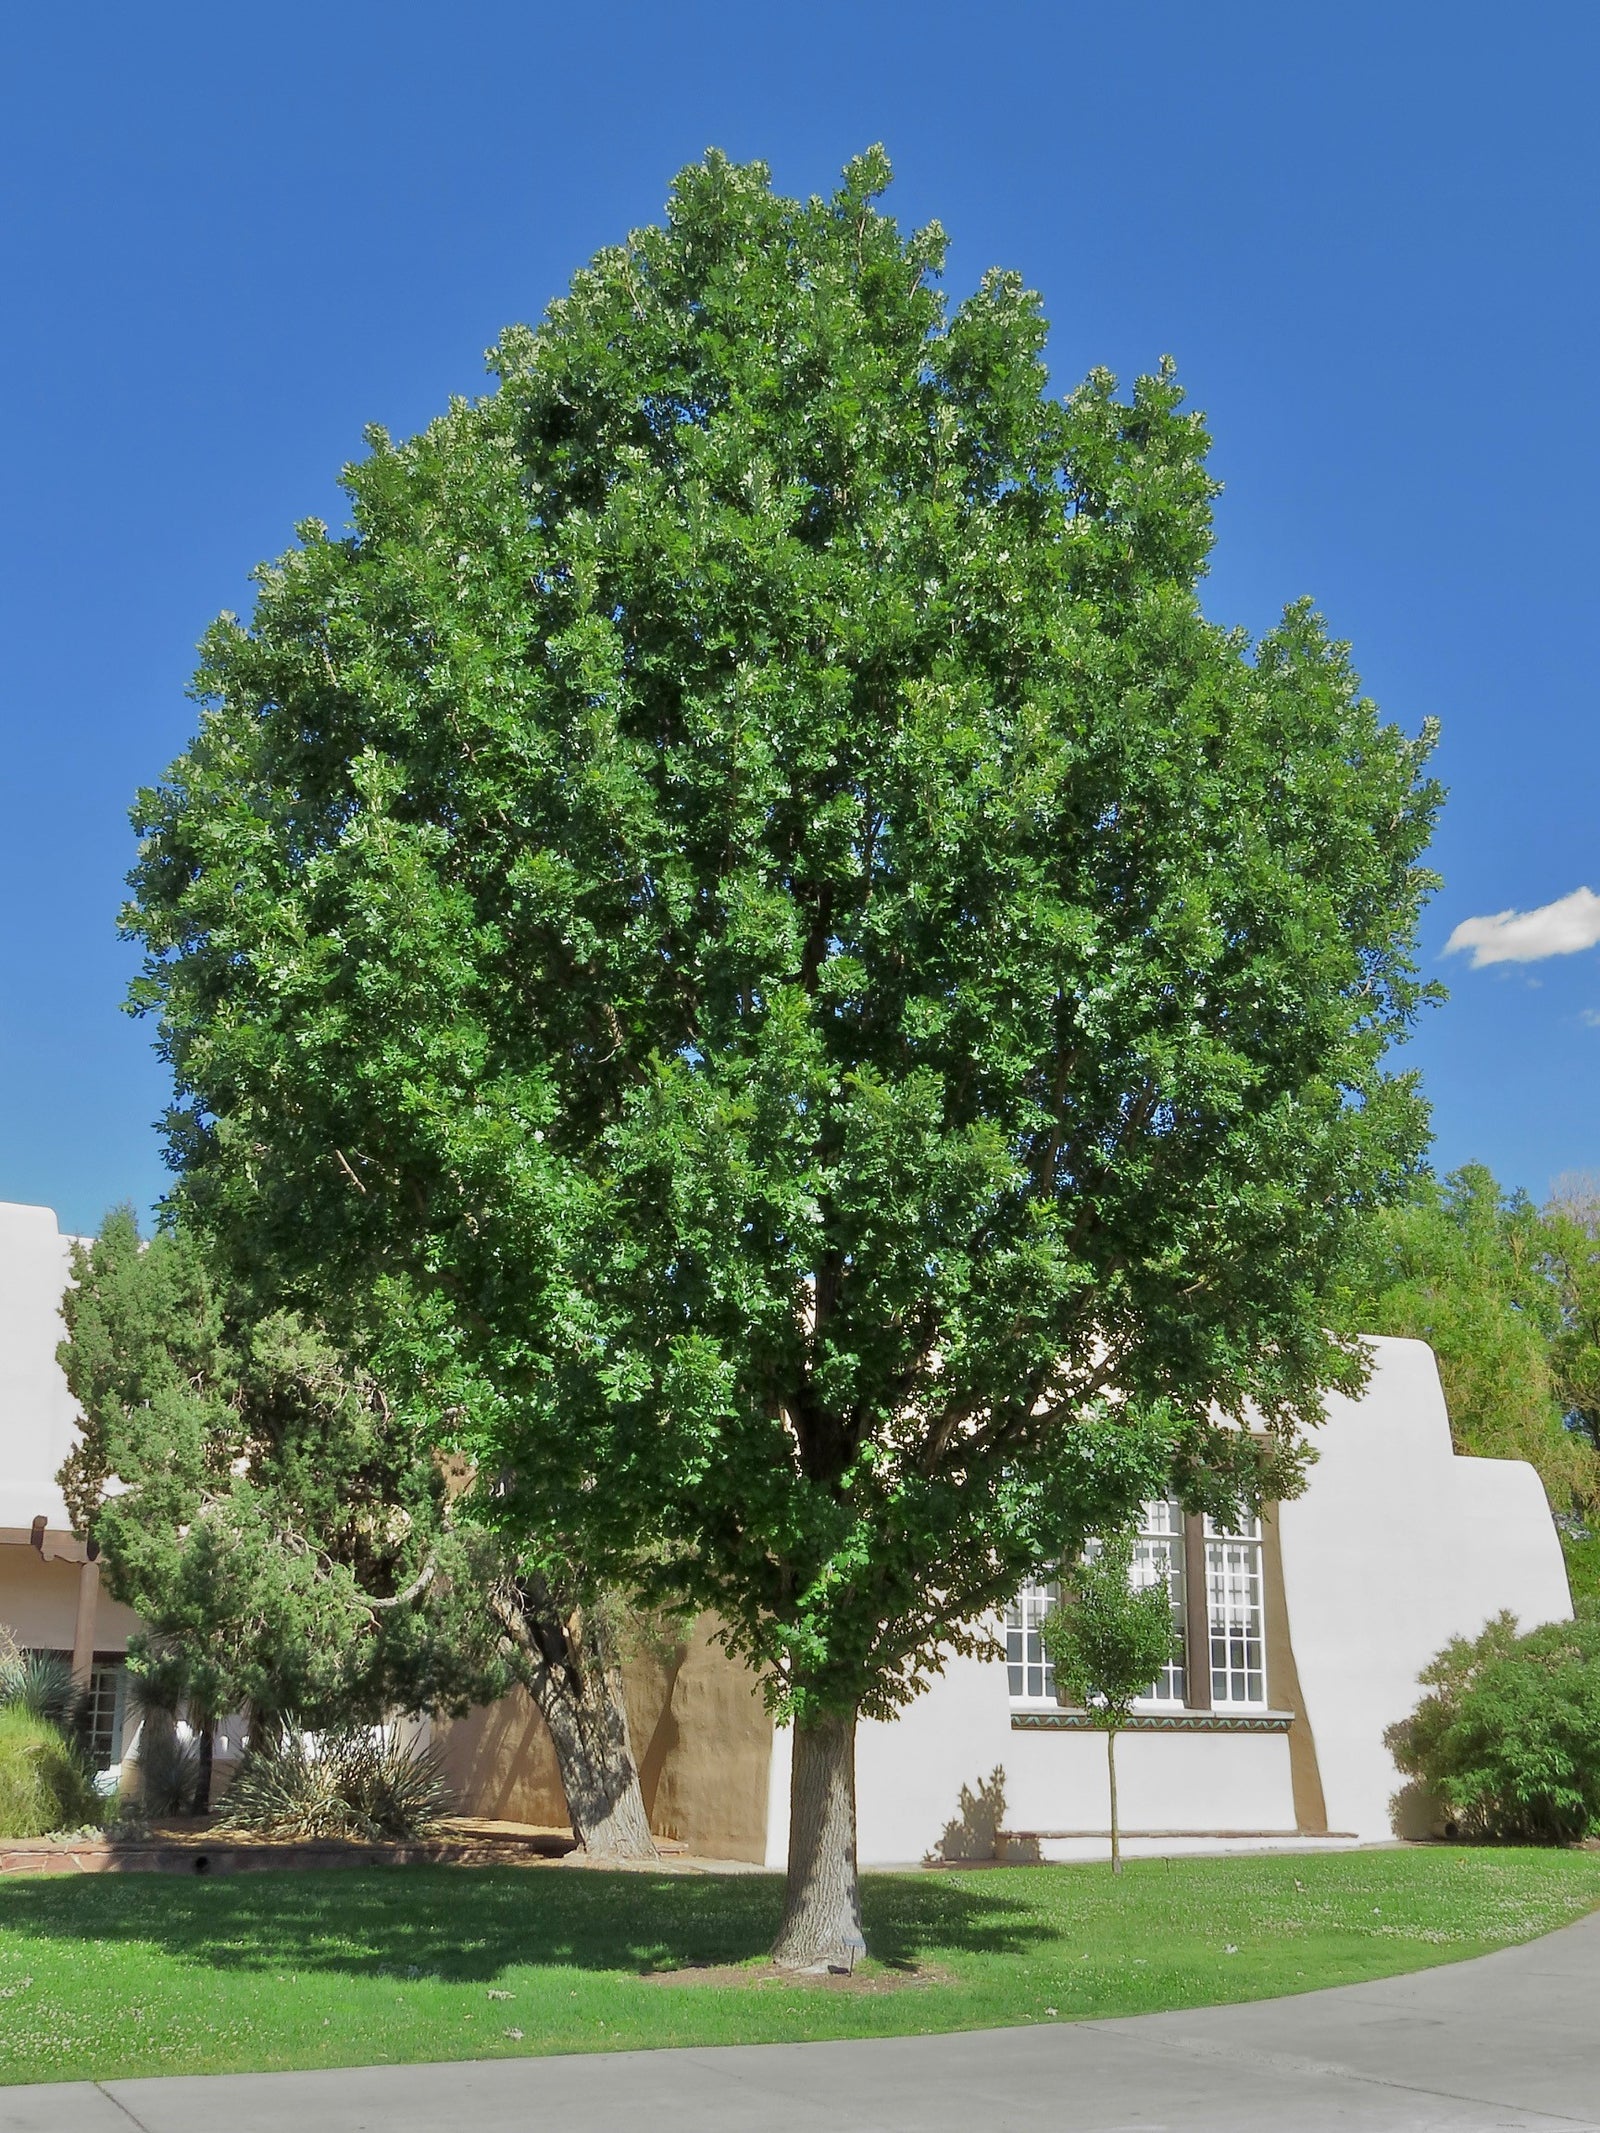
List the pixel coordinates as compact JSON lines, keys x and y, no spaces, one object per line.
{"x":1233,"y":1597}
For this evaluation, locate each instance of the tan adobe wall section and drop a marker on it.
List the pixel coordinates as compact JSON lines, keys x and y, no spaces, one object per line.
{"x":39,"y":1601}
{"x":700,"y":1731}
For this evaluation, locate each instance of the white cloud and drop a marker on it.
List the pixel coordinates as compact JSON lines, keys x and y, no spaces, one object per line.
{"x":1562,"y":928}
{"x":1591,"y":1016}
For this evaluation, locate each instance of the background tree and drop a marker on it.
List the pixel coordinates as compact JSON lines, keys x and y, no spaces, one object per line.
{"x":1572,"y":1243}
{"x":745,"y":906}
{"x":1498,"y":1290}
{"x":1108,"y":1642}
{"x":283,"y":1527}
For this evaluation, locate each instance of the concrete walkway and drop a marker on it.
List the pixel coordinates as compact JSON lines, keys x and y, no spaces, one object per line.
{"x":1512,"y":2040}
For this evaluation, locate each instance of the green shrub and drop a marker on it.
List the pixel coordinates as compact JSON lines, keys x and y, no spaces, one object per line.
{"x":1583,"y":1563}
{"x":337,"y":1784}
{"x":44,"y":1785}
{"x":1508,"y":1742}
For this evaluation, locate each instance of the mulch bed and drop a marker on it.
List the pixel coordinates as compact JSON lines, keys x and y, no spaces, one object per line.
{"x":194,"y":1847}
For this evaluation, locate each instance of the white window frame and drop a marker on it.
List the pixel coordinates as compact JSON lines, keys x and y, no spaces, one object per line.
{"x":1157,"y":1548}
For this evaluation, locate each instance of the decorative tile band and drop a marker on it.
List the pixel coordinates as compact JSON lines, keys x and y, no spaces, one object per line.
{"x":1157,"y":1722}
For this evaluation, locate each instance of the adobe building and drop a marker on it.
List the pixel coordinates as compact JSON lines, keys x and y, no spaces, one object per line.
{"x":1303,"y":1635}
{"x":50,"y":1596}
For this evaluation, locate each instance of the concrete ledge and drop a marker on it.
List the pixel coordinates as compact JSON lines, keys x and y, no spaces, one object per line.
{"x":1299,"y":1836}
{"x":1064,"y":1847}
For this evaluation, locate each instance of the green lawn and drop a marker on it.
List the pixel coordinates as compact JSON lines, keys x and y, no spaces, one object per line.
{"x":117,"y":1975}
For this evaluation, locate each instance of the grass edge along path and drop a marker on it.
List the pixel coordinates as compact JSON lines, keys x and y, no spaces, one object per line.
{"x":106,"y":1976}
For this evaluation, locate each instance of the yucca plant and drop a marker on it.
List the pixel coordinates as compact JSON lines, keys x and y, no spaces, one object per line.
{"x":41,"y":1684}
{"x":168,"y":1768}
{"x":347,"y":1783}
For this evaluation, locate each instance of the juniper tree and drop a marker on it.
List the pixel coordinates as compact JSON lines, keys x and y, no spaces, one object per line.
{"x":283,"y":1527}
{"x":745,"y":905}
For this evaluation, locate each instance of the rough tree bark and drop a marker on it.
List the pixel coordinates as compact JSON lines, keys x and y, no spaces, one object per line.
{"x":1111,"y":1772}
{"x":821,"y":1927}
{"x":206,"y":1749}
{"x":572,"y":1672}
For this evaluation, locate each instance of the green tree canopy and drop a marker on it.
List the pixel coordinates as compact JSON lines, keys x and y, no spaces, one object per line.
{"x":1572,"y":1240}
{"x":745,"y":901}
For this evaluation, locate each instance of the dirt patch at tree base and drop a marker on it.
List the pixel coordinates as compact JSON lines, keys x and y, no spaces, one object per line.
{"x":868,"y":1982}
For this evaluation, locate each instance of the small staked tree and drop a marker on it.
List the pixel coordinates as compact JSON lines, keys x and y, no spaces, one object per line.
{"x":1108,"y":1641}
{"x":745,"y":905}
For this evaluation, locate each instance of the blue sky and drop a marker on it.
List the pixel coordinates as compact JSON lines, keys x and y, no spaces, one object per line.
{"x":230,"y":237}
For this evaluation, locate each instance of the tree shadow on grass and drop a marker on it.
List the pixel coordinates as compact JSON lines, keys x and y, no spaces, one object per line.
{"x":467,"y":1925}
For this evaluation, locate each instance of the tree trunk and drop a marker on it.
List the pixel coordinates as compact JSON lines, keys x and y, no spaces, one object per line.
{"x":821,"y":1927}
{"x":1111,"y":1771}
{"x":206,"y":1751}
{"x":589,"y":1725}
{"x":573,"y":1675}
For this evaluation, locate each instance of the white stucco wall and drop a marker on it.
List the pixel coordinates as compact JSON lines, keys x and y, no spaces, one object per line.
{"x":40,"y":1590}
{"x":1397,"y":1546}
{"x":951,"y":1765}
{"x":37,"y":1418}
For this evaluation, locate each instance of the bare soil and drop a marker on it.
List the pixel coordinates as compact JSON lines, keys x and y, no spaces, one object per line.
{"x":867,"y":1983}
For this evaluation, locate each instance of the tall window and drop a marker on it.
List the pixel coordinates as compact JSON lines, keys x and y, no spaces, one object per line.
{"x":1166,"y":1544}
{"x":1157,"y":1554}
{"x":1033,"y":1678}
{"x":1233,"y":1601}
{"x":105,"y":1712}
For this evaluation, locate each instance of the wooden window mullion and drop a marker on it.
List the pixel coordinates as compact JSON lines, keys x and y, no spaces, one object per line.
{"x":1197,"y":1612}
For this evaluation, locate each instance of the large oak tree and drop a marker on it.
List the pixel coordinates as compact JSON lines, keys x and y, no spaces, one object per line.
{"x":744,"y":904}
